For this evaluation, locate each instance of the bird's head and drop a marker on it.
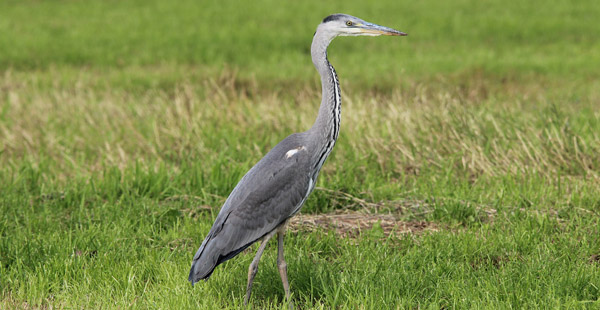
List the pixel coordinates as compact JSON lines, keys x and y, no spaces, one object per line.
{"x":346,"y":25}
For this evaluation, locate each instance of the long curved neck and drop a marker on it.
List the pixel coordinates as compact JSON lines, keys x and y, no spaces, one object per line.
{"x":327,"y":125}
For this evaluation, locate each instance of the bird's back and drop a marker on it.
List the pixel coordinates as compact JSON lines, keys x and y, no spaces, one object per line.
{"x":270,"y":192}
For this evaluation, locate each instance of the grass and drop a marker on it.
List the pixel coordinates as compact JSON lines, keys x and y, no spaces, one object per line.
{"x":124,"y":125}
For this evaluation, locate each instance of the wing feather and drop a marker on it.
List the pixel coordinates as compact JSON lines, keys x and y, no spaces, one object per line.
{"x":265,"y":197}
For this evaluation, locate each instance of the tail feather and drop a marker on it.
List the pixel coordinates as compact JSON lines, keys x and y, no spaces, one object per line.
{"x":205,"y":261}
{"x":221,"y":244}
{"x":197,"y":275}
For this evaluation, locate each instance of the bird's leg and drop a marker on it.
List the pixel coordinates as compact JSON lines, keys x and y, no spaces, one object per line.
{"x":254,"y":266}
{"x":281,"y":264}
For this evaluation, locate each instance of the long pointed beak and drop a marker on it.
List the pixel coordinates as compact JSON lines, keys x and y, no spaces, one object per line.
{"x":377,"y":30}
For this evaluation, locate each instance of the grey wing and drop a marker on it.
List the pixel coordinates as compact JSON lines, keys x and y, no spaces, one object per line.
{"x":273,"y":190}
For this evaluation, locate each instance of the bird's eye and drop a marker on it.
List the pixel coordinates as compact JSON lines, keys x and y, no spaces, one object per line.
{"x":348,"y":23}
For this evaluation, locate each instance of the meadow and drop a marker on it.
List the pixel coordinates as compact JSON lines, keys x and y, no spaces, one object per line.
{"x":469,"y":148}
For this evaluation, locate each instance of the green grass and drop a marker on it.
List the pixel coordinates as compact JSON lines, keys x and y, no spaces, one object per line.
{"x":124,"y":125}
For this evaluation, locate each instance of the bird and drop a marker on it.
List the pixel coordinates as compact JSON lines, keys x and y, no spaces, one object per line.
{"x":277,"y":186}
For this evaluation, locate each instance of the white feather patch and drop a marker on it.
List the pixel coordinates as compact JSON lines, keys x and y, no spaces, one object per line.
{"x":291,"y":152}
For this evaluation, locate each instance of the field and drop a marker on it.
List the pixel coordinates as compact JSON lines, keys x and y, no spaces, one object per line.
{"x":466,"y":174}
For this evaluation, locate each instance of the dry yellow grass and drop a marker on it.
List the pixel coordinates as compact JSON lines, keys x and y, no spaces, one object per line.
{"x":478,"y":126}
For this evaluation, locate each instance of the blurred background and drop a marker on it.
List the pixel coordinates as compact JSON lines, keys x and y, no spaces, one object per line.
{"x":270,"y":39}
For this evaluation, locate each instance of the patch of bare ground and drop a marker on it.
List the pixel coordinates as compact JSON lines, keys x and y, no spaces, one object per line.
{"x":352,"y":223}
{"x":398,"y":217}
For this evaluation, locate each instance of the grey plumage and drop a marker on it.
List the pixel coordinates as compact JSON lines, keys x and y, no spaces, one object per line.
{"x":263,"y":199}
{"x":276,"y":187}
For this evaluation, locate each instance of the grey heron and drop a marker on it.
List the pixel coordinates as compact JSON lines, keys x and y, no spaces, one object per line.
{"x":277,"y":186}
